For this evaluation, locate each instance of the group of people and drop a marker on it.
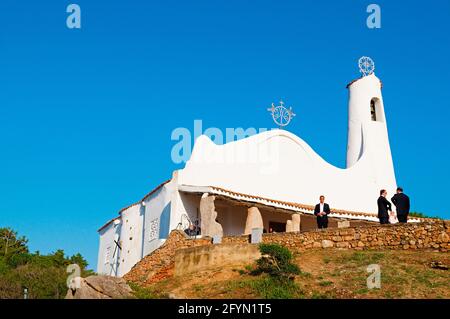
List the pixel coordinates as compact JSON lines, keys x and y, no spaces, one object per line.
{"x":401,"y":202}
{"x":385,"y":213}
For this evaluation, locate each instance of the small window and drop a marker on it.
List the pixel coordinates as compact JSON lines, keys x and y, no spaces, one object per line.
{"x":373,"y":113}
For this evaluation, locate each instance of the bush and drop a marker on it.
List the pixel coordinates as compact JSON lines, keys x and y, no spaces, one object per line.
{"x":276,"y":262}
{"x":43,"y":275}
{"x":18,"y":260}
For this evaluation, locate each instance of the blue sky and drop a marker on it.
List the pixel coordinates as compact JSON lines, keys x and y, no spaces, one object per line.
{"x":86,"y":115}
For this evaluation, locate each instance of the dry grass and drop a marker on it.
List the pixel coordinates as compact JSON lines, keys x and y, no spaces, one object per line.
{"x":329,"y":273}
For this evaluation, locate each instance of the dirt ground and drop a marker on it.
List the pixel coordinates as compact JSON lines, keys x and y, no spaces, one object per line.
{"x":325,"y":273}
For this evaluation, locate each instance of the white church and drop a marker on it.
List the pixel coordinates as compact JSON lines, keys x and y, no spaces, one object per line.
{"x":274,"y":171}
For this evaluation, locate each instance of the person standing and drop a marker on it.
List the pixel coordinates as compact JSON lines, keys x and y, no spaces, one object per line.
{"x":321,"y":211}
{"x":401,"y":202}
{"x":384,"y":207}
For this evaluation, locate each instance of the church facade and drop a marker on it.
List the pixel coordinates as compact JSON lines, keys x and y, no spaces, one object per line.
{"x":270,"y":180}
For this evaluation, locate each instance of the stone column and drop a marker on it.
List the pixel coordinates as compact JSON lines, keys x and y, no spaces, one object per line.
{"x":209,"y":226}
{"x":288,"y":226}
{"x":296,"y":222}
{"x":254,"y":220}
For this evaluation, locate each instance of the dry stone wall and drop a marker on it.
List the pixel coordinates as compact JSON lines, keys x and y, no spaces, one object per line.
{"x":429,"y":235}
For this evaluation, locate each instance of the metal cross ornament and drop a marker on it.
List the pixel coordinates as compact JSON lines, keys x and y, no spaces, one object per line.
{"x":366,"y":65}
{"x":281,"y":115}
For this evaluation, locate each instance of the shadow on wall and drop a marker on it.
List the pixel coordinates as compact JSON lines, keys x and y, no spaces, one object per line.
{"x":164,"y":222}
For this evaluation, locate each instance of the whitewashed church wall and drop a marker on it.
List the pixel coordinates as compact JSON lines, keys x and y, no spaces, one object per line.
{"x":232,"y":218}
{"x":131,"y":238}
{"x":108,"y":254}
{"x":380,"y":157}
{"x":157,"y":218}
{"x":188,"y":204}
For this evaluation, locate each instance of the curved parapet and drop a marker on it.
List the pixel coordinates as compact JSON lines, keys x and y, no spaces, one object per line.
{"x":280,"y":165}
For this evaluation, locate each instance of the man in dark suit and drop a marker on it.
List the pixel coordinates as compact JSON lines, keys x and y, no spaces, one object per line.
{"x":384,"y":207}
{"x":401,"y":202}
{"x":321,"y":211}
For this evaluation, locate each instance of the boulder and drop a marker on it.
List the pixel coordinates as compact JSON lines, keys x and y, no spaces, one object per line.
{"x":100,"y":287}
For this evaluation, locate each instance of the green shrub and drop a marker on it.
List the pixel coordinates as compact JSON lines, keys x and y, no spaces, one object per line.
{"x":276,"y":261}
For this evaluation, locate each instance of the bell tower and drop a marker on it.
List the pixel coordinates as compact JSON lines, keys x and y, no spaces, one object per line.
{"x":368,"y":139}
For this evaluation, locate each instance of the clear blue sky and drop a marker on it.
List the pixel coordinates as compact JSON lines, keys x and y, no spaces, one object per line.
{"x":86,"y":115}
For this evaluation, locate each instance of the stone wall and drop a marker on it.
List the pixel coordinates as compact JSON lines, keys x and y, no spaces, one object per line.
{"x":190,"y":260}
{"x":309,"y":222}
{"x":426,"y":235}
{"x":429,"y":235}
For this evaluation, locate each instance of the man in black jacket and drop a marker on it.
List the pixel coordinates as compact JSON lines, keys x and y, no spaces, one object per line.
{"x":401,"y":202}
{"x":384,"y":207}
{"x":321,"y":211}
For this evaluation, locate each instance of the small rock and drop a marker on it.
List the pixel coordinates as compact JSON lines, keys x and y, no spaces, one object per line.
{"x":327,"y":243}
{"x":443,"y":237}
{"x":317,"y":245}
{"x":342,"y":245}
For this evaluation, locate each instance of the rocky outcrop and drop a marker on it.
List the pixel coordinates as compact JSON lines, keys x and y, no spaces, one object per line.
{"x":100,"y":287}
